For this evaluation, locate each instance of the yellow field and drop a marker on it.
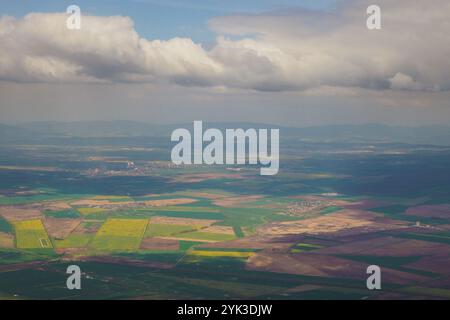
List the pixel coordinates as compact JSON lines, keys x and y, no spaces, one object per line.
{"x":31,"y":234}
{"x":123,"y":227}
{"x":231,"y":254}
{"x":120,"y":234}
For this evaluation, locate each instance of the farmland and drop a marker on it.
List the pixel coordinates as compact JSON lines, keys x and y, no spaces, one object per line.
{"x":74,"y":241}
{"x":31,"y":234}
{"x":205,"y":236}
{"x":209,"y":232}
{"x":120,"y":234}
{"x":165,"y":230}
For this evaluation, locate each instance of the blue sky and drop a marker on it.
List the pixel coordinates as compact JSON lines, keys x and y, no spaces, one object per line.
{"x":164,"y":19}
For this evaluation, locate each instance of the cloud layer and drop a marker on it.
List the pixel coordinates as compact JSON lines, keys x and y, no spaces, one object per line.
{"x":280,"y":51}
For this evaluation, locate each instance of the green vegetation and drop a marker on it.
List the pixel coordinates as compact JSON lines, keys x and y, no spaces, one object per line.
{"x":5,"y":226}
{"x":74,"y":241}
{"x":14,"y":256}
{"x":39,"y":197}
{"x":62,"y":214}
{"x":238,"y":231}
{"x":331,"y":209}
{"x":186,"y":245}
{"x":302,"y":247}
{"x":249,"y":218}
{"x":166,"y":230}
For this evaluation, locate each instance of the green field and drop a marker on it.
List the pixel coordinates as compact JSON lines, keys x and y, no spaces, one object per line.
{"x":165,"y":230}
{"x":331,"y":209}
{"x":5,"y":226}
{"x":31,"y":234}
{"x":186,"y":245}
{"x":120,"y":235}
{"x":74,"y":241}
{"x":302,"y":247}
{"x":62,"y":214}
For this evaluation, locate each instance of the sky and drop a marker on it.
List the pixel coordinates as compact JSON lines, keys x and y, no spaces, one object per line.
{"x":164,"y":19}
{"x":297,"y":63}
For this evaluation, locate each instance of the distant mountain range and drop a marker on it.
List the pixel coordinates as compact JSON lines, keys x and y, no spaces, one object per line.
{"x":376,"y":133}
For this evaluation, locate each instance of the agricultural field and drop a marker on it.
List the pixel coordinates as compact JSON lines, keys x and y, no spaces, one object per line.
{"x":5,"y":226}
{"x":74,"y":241}
{"x":206,"y":236}
{"x":220,"y":253}
{"x":167,"y":230}
{"x":90,"y":211}
{"x":202,"y":233}
{"x":31,"y":234}
{"x":120,"y":235}
{"x":63,"y":214}
{"x":6,"y":240}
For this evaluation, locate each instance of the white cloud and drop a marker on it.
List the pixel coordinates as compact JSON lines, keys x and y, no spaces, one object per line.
{"x":39,"y":47}
{"x":404,"y":82}
{"x":291,"y":50}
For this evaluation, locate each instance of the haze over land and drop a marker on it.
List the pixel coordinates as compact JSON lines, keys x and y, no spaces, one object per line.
{"x":367,"y":133}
